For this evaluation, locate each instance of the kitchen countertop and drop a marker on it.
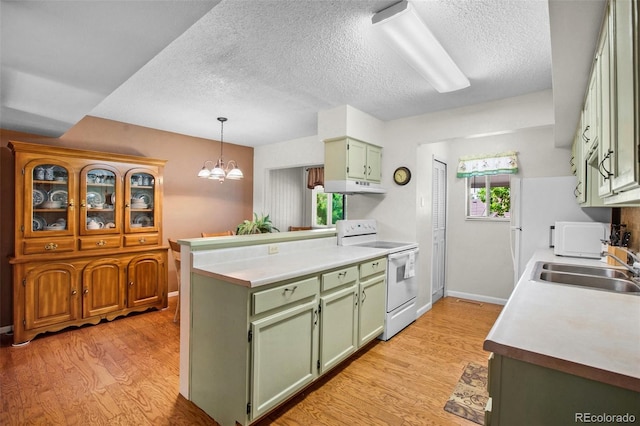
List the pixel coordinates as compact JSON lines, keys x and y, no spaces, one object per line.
{"x":585,"y":332}
{"x":259,"y":271}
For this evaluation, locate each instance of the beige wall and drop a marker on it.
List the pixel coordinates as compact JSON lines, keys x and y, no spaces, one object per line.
{"x":191,"y":204}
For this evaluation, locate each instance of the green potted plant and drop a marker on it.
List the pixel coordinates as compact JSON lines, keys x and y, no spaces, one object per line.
{"x":259,"y":225}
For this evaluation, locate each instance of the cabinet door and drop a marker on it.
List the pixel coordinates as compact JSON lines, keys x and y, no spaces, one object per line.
{"x":51,"y":295}
{"x":146,"y":278}
{"x":49,"y":190}
{"x":338,"y":326}
{"x":103,"y":284}
{"x":374,"y":163}
{"x":604,"y":144}
{"x":625,"y":38}
{"x":284,"y":355}
{"x":100,"y":200}
{"x":357,"y":159}
{"x":580,"y":190}
{"x":142,"y":195}
{"x":371,"y":310}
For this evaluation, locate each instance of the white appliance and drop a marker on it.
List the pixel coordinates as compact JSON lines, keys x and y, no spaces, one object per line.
{"x":579,"y":239}
{"x":402,"y":284}
{"x":537,"y":204}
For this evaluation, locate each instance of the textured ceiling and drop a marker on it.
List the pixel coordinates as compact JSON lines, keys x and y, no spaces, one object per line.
{"x":271,"y":65}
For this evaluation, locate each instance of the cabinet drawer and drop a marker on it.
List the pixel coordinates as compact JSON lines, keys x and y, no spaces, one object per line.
{"x":337,"y":278}
{"x":282,"y":295}
{"x":95,"y":243}
{"x":373,"y":267}
{"x":141,"y":240}
{"x":49,"y":245}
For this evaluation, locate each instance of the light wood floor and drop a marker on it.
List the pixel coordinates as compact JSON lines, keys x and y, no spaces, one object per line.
{"x":125,"y":372}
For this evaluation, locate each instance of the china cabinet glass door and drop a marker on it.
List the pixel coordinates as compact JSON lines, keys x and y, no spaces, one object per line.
{"x":48,"y":198}
{"x":100,"y":212}
{"x":140,"y":201}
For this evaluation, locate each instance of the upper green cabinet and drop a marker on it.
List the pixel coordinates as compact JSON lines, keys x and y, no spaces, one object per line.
{"x":352,"y":159}
{"x":606,"y":148}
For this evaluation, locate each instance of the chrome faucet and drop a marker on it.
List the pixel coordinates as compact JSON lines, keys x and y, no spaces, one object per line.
{"x":635,"y":269}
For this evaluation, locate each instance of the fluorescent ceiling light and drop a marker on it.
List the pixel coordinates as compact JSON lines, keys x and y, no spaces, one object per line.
{"x":411,"y":38}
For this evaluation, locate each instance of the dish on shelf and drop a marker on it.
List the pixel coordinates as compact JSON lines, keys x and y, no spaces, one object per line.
{"x":38,"y":223}
{"x":143,"y":220}
{"x":94,"y":198}
{"x":143,"y":196}
{"x":97,"y":218}
{"x":39,"y":197}
{"x":59,"y":195}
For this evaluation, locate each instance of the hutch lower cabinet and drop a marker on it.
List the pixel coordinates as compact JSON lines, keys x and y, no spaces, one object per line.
{"x":87,"y":237}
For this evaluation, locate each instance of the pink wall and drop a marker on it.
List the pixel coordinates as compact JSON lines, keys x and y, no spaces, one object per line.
{"x":191,"y":204}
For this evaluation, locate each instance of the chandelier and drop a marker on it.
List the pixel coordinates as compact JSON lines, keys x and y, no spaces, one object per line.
{"x":219,"y":170}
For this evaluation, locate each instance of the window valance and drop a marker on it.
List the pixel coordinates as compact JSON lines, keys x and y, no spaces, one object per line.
{"x":315,"y":177}
{"x":481,"y":165}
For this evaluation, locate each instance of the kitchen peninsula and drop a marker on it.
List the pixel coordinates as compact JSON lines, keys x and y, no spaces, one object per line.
{"x":264,"y":316}
{"x":560,"y":351}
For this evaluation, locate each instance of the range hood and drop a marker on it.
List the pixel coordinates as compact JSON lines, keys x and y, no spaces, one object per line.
{"x":353,"y":187}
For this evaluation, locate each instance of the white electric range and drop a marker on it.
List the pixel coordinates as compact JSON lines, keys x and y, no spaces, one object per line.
{"x":402,"y":284}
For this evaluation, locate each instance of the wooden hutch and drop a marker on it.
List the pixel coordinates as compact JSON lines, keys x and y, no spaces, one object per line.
{"x":88,"y":237}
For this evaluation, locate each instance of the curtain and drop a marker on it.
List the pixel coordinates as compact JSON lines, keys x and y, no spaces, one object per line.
{"x":480,"y":165}
{"x":315,"y":177}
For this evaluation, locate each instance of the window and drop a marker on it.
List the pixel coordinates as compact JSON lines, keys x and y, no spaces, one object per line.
{"x":326,"y":207}
{"x":498,"y":202}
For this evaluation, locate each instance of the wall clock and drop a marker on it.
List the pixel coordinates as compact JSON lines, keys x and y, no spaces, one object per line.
{"x":402,"y":175}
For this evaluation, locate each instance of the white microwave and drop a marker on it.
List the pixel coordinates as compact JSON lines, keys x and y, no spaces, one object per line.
{"x":579,"y":239}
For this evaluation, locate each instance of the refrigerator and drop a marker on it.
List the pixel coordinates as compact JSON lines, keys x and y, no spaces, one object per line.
{"x":536,"y":204}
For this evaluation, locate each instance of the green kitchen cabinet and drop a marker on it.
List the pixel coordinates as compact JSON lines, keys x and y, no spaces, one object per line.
{"x":352,"y":159}
{"x":338,"y":317}
{"x":523,"y":393}
{"x":372,"y":297}
{"x":253,"y":348}
{"x":283,"y":361}
{"x":626,"y":126}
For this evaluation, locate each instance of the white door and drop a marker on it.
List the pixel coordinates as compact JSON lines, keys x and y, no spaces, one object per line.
{"x":439,"y":210}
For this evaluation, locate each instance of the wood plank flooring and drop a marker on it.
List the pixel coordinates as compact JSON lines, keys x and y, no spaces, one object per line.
{"x":125,"y":372}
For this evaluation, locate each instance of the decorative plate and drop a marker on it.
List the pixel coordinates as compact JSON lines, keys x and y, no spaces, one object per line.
{"x":144,"y":197}
{"x":94,"y":198}
{"x":38,"y":223}
{"x":143,"y":220}
{"x":59,"y":195}
{"x":39,"y":197}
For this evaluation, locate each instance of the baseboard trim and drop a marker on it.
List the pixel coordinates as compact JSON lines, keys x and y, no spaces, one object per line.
{"x":476,"y":297}
{"x":423,"y":310}
{"x":6,"y":329}
{"x":173,"y":293}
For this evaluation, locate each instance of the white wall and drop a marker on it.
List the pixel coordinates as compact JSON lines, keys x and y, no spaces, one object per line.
{"x":404,"y":213}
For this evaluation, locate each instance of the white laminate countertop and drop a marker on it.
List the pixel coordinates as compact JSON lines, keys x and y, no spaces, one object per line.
{"x":590,"y":333}
{"x":259,"y":271}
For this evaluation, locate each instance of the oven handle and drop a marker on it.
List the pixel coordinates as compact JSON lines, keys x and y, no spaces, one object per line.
{"x":403,"y":253}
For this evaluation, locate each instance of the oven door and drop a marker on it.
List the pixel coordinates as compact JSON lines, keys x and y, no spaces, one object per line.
{"x":401,"y":289}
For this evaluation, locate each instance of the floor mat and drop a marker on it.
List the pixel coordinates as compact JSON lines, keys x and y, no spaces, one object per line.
{"x":470,"y":395}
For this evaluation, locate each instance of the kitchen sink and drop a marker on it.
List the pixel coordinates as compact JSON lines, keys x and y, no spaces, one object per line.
{"x":588,"y":270}
{"x":600,"y":278}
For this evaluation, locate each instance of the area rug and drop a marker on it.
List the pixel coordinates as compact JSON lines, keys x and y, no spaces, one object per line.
{"x":470,"y":395}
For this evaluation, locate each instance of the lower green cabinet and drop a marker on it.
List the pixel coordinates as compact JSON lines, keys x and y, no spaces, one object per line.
{"x":522,"y":393}
{"x":371,"y":311}
{"x":253,"y":348}
{"x":283,"y":361}
{"x":338,"y":326}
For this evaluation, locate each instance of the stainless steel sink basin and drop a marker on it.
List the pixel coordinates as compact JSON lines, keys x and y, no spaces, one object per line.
{"x":588,"y":270}
{"x":607,"y":279}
